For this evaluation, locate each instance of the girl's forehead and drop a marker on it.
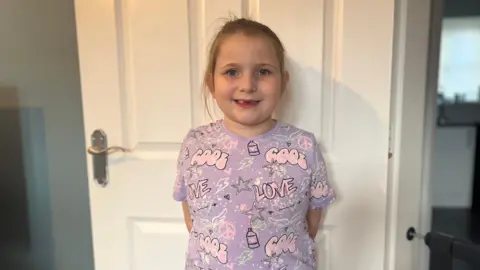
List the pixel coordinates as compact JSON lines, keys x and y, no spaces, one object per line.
{"x":239,"y":48}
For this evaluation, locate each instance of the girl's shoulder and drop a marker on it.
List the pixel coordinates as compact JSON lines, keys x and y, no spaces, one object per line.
{"x":207,"y":133}
{"x":293,"y":130}
{"x":296,"y":136}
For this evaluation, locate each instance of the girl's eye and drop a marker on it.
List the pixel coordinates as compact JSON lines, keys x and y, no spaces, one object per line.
{"x":264,"y":71}
{"x":231,"y":72}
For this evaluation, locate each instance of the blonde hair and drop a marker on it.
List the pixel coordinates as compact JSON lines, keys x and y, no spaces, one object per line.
{"x":246,"y":27}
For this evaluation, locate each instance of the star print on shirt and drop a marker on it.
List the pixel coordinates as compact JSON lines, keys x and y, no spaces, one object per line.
{"x":255,"y":212}
{"x":242,"y":185}
{"x":193,"y":170}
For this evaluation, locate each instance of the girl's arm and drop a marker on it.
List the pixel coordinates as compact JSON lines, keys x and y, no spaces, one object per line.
{"x":314,"y":220}
{"x":186,"y":215}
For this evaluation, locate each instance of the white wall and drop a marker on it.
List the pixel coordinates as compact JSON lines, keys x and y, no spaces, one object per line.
{"x":453,"y":167}
{"x":38,"y":64}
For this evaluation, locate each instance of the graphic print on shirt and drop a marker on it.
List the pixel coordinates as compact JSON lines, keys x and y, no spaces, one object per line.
{"x":246,"y":256}
{"x":252,"y":148}
{"x":203,"y":206}
{"x":276,"y":246}
{"x":277,"y":157}
{"x":213,"y":247}
{"x":294,"y":223}
{"x":226,"y":141}
{"x":286,"y":139}
{"x":271,"y":190}
{"x":320,"y":190}
{"x":242,"y":185}
{"x":210,"y":245}
{"x":305,"y":142}
{"x":210,"y":157}
{"x":246,"y":163}
{"x":276,"y":263}
{"x":194,"y":170}
{"x":213,"y":224}
{"x":285,"y":155}
{"x":275,"y":169}
{"x":255,"y":213}
{"x":265,"y":185}
{"x":227,"y":230}
{"x":184,"y":155}
{"x":252,"y":239}
{"x":222,"y":183}
{"x":199,"y":189}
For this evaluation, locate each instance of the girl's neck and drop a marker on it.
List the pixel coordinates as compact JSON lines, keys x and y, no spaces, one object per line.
{"x":248,"y":131}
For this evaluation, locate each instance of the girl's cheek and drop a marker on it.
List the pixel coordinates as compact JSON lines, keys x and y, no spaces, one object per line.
{"x":272,"y":90}
{"x":225,"y":83}
{"x":270,"y":84}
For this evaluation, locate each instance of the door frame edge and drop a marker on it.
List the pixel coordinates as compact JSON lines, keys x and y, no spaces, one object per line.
{"x":417,"y":28}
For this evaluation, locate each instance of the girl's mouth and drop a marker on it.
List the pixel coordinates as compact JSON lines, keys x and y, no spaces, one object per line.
{"x":246,"y":103}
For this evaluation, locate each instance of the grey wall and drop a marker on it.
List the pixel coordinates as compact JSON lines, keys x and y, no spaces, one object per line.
{"x":40,"y":90}
{"x":453,"y":163}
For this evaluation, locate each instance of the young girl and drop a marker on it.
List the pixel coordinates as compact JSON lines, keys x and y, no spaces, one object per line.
{"x":252,"y":188}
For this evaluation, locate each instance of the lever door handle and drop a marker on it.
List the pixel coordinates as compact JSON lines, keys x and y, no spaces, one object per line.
{"x":100,"y":151}
{"x":95,"y":150}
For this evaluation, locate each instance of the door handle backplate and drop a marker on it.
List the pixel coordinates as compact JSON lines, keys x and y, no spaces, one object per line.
{"x":99,"y":157}
{"x":100,"y":151}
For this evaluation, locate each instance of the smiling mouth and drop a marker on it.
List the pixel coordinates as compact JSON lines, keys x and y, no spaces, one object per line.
{"x":246,"y":103}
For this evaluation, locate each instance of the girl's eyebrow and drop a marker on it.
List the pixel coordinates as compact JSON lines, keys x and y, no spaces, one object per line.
{"x":272,"y":66}
{"x":267,"y":64}
{"x":230,"y":65}
{"x":236,"y":65}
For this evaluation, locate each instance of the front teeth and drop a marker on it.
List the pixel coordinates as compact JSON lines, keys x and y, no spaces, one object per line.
{"x":245,"y":101}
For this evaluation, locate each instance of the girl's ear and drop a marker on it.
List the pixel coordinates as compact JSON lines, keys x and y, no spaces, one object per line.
{"x":209,"y":82}
{"x":285,"y":80}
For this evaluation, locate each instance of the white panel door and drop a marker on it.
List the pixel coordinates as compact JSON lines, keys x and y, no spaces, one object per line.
{"x":141,"y":67}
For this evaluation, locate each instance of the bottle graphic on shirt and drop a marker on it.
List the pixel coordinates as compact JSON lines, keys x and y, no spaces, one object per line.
{"x":253,"y":148}
{"x":252,"y":239}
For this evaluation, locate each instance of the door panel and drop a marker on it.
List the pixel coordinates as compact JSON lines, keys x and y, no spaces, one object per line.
{"x":157,"y":68}
{"x":142,"y":63}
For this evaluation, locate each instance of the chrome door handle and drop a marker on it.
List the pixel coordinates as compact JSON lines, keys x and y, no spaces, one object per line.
{"x":100,"y":151}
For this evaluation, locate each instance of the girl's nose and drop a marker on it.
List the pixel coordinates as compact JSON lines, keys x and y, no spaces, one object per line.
{"x":248,"y":83}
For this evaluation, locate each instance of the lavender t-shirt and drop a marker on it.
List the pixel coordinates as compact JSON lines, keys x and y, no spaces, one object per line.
{"x":249,"y":197}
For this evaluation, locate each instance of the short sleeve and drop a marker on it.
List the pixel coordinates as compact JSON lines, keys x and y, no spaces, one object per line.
{"x":180,"y":188}
{"x":321,"y":191}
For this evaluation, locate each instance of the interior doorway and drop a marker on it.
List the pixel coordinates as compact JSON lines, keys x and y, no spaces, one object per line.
{"x":455,"y":174}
